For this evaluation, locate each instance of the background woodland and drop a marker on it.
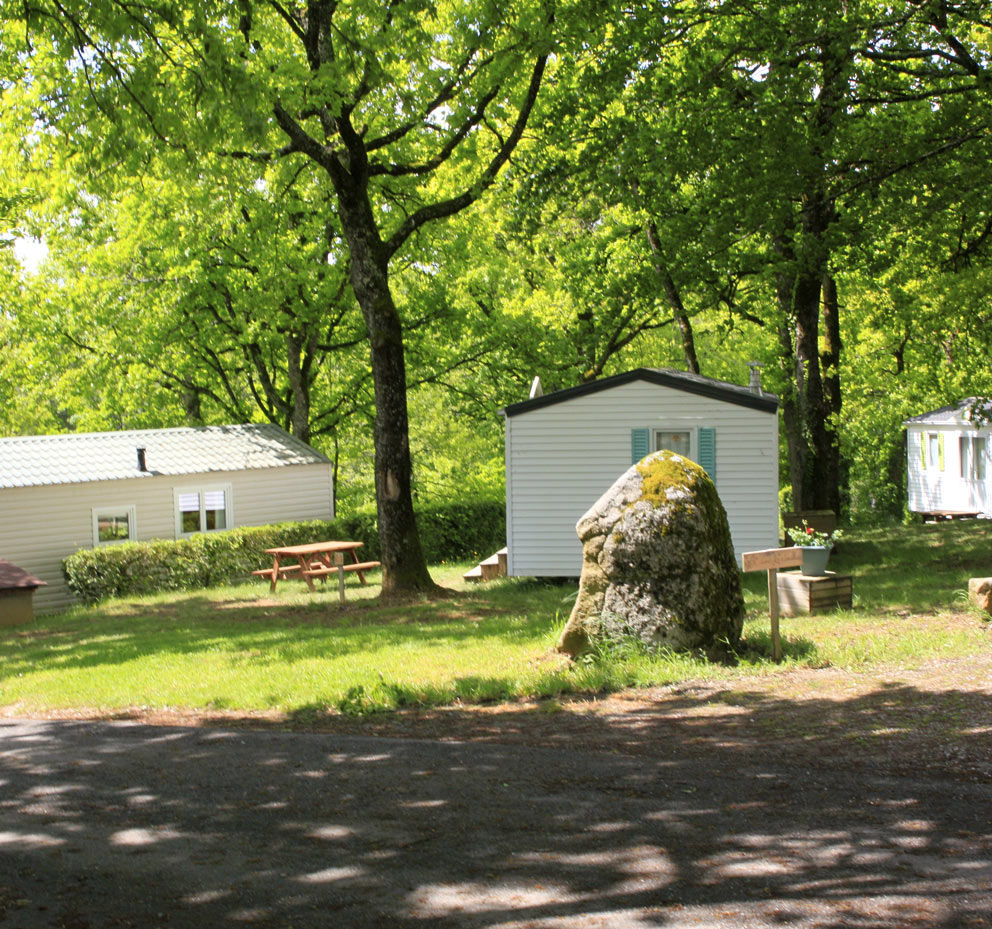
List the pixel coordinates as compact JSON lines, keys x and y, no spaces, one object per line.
{"x":563,"y":189}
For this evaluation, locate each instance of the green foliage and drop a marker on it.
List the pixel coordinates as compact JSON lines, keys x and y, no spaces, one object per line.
{"x":448,"y":532}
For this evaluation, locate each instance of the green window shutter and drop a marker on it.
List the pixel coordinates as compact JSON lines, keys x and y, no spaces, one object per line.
{"x":706,"y":440}
{"x":640,"y":444}
{"x":923,"y":450}
{"x":940,"y":451}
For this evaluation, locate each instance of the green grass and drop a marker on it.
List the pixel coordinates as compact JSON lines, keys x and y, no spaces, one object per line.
{"x":240,"y":649}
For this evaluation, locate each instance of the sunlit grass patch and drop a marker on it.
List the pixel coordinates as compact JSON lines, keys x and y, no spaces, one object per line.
{"x":243,"y":649}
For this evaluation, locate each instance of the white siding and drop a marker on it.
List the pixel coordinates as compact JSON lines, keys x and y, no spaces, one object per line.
{"x":561,"y":458}
{"x":39,"y":526}
{"x":932,"y":489}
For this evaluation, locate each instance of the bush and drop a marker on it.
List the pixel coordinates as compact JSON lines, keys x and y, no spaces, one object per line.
{"x":448,"y":532}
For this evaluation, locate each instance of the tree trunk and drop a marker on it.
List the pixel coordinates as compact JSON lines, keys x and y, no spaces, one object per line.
{"x":830,"y":368}
{"x":299,"y":385}
{"x":816,"y":493}
{"x":674,"y":302}
{"x":403,"y":565}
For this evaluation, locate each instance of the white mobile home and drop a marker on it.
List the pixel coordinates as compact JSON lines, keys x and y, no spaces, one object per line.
{"x":564,"y":449}
{"x":60,"y":493}
{"x":948,"y":460}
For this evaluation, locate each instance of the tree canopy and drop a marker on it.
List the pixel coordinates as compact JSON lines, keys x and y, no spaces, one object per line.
{"x":327,"y":214}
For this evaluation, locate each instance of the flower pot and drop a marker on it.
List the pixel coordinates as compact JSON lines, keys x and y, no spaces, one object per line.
{"x":815,"y":560}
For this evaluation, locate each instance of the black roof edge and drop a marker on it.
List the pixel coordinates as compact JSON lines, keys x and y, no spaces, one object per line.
{"x":689,"y":383}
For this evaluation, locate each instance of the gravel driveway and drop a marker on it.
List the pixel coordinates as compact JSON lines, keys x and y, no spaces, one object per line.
{"x":107,"y":824}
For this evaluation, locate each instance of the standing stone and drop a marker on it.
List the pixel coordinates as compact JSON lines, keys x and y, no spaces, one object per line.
{"x":657,"y":562}
{"x":980,"y":592}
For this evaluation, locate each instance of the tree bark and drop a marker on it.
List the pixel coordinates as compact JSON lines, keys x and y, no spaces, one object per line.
{"x":404,"y":567}
{"x":674,"y":302}
{"x":830,"y":368}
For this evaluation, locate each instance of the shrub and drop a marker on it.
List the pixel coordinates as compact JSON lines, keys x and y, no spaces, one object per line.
{"x":447,"y":532}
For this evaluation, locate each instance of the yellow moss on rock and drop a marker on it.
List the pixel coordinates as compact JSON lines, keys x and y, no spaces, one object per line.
{"x":658,"y":475}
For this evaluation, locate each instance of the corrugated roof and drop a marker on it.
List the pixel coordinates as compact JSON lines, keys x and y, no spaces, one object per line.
{"x":76,"y":457}
{"x":962,"y":413}
{"x":665,"y":377}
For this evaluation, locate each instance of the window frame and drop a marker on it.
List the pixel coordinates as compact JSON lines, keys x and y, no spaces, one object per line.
{"x":693,"y":454}
{"x":132,"y":523}
{"x":933,"y":444}
{"x":974,"y":463}
{"x":201,"y":490}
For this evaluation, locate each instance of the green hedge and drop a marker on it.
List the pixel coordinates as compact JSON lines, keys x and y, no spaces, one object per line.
{"x":451,"y":532}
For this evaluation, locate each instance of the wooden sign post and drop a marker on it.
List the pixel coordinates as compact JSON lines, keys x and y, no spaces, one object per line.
{"x":770,"y":560}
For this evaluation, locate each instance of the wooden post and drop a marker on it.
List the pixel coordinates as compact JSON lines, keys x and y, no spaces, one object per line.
{"x":770,"y":560}
{"x":773,"y":609}
{"x":338,"y":559}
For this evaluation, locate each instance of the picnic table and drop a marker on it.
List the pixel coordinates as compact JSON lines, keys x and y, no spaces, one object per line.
{"x":315,"y":559}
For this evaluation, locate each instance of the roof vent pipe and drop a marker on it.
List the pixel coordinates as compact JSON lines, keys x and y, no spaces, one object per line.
{"x":141,"y":460}
{"x":754,"y":385}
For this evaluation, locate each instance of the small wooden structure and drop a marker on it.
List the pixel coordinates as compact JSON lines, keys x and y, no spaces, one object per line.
{"x":796,"y":591}
{"x":800,"y":593}
{"x":17,"y":589}
{"x":492,"y":567}
{"x":770,"y":560}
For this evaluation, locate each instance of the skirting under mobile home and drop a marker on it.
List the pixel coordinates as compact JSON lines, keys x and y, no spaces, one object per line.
{"x":61,"y":493}
{"x":564,"y":449}
{"x":948,"y":452}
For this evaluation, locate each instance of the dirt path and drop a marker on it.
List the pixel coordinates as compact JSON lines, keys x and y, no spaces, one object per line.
{"x":935,"y":720}
{"x":814,"y":799}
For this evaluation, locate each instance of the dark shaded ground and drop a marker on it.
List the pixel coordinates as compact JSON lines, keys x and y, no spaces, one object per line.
{"x":869,"y":806}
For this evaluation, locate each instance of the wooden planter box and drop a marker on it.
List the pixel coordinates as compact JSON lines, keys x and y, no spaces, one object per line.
{"x":799,"y":594}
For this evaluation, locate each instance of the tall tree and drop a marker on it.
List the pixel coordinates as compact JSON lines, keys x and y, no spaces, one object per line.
{"x":407,"y":110}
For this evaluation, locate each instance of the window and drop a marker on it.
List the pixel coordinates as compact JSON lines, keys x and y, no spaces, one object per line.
{"x":933,"y":446}
{"x":974,"y":455}
{"x":678,"y":442}
{"x":697,"y":444}
{"x":113,"y":524}
{"x":203,"y":509}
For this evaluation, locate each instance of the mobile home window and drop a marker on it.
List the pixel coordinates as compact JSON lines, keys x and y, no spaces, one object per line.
{"x":935,"y":450}
{"x":679,"y":442}
{"x":205,"y":509}
{"x":113,"y":524}
{"x":974,"y":455}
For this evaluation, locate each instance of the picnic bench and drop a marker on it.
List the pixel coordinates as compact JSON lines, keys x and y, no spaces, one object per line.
{"x":316,"y":559}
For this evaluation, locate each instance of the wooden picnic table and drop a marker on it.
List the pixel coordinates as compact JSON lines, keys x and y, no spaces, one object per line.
{"x":315,"y":559}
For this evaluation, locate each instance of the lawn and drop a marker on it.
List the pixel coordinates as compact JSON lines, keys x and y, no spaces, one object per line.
{"x":241,"y":649}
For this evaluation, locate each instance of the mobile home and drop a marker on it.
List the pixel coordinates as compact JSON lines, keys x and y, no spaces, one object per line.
{"x":564,"y":449}
{"x":948,"y":460}
{"x":60,"y":493}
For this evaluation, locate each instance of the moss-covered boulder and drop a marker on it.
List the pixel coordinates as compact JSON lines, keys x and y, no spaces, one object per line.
{"x":657,"y":562}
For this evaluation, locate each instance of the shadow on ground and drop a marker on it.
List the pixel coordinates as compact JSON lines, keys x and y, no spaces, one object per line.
{"x":718,"y":809}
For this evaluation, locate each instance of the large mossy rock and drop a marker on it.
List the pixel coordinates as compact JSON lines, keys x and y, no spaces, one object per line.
{"x":657,"y":562}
